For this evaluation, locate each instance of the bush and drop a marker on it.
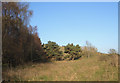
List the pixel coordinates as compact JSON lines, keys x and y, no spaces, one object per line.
{"x":112,"y":51}
{"x":89,"y":50}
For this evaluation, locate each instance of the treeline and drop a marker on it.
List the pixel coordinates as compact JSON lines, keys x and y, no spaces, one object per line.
{"x":20,"y":41}
{"x":69,"y":52}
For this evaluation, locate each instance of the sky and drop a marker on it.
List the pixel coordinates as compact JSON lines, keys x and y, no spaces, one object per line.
{"x":77,"y":22}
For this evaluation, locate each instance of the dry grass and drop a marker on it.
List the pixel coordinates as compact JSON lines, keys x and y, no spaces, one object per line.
{"x":84,"y":69}
{"x":112,"y":59}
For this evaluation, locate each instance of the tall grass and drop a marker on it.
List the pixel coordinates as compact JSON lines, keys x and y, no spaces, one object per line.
{"x":84,"y":69}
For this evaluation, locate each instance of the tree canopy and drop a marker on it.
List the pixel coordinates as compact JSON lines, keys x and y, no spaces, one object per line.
{"x":20,"y":40}
{"x":53,"y":50}
{"x":73,"y":51}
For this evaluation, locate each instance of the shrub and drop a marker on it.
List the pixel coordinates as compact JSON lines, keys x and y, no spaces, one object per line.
{"x":89,"y":50}
{"x":112,"y":51}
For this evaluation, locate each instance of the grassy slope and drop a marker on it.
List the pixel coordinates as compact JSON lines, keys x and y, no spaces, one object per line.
{"x":84,"y":69}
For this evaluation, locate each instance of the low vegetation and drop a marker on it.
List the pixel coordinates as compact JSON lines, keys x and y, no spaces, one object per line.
{"x":83,"y":69}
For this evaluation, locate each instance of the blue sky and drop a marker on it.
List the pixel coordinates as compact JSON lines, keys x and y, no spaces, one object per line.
{"x":76,"y":22}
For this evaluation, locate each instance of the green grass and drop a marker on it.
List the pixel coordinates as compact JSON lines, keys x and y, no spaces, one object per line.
{"x":84,"y":69}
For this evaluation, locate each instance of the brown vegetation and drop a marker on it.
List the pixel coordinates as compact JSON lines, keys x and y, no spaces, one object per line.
{"x":84,"y":69}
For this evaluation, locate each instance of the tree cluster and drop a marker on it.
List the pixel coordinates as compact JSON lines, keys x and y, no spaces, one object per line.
{"x":52,"y":51}
{"x":70,"y":52}
{"x":20,"y":41}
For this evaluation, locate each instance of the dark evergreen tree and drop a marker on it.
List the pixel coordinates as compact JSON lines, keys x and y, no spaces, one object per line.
{"x":52,"y":50}
{"x":73,"y":51}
